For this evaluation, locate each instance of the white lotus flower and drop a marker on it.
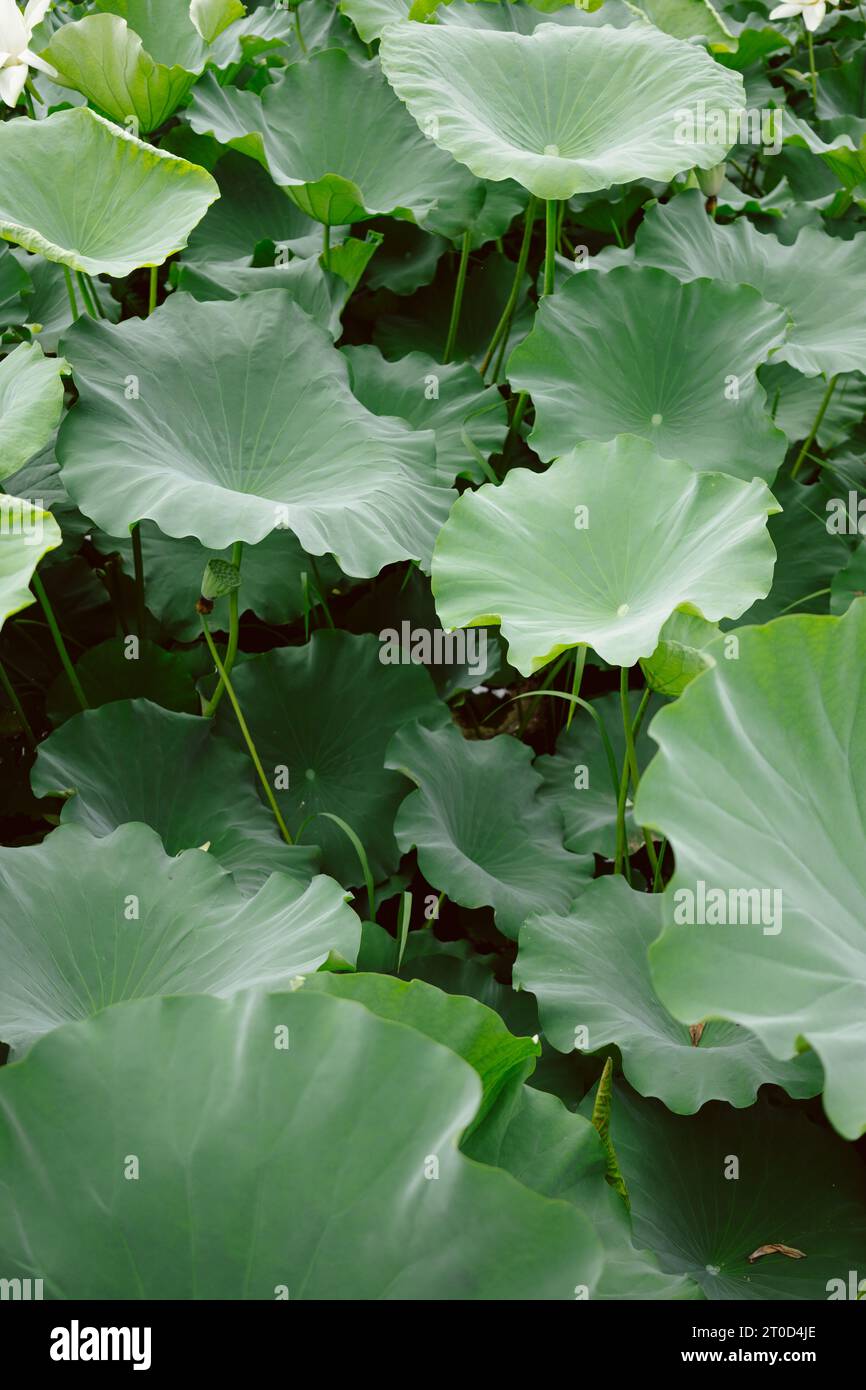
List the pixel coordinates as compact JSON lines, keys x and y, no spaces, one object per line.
{"x":813,"y":11}
{"x":15,"y":57}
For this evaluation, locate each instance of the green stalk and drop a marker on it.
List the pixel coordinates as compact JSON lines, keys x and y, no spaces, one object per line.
{"x":320,"y":588}
{"x":151,"y":298}
{"x":361,"y":853}
{"x":70,"y":290}
{"x":85,"y":294}
{"x":812,"y":72}
{"x":520,"y":271}
{"x":100,"y":312}
{"x":516,"y":421}
{"x":326,"y":240}
{"x":630,"y":754}
{"x":457,"y":302}
{"x":303,"y":46}
{"x":247,"y":736}
{"x":579,"y":663}
{"x":17,"y":706}
{"x":138,"y":563}
{"x":39,"y":590}
{"x":210,"y":708}
{"x":584,"y":704}
{"x":551,"y":214}
{"x":822,"y":410}
{"x":657,"y":876}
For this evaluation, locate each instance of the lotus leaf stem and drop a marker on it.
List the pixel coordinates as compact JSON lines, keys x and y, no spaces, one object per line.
{"x":457,"y":302}
{"x":65,"y":661}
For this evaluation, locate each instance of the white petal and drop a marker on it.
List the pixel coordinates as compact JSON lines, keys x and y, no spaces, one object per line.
{"x":34,"y":13}
{"x":784,"y":11}
{"x":13,"y":34}
{"x":34,"y":61}
{"x":12,"y":83}
{"x":813,"y":15}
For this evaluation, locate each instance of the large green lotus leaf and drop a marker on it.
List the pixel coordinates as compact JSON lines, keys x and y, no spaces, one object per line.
{"x":101,"y":57}
{"x":594,"y":368}
{"x":599,"y":550}
{"x":562,"y":111}
{"x":481,"y":832}
{"x":590,"y":974}
{"x":81,"y":191}
{"x":211,"y":17}
{"x":808,"y":555}
{"x":90,"y":922}
{"x":518,"y":18}
{"x":577,"y":777}
{"x":451,"y":400}
{"x":199,"y":790}
{"x":113,"y":670}
{"x":244,"y":423}
{"x":277,"y":579}
{"x":326,"y":712}
{"x":688,"y":19}
{"x":26,"y":534}
{"x":368,"y":157}
{"x":216,"y":1217}
{"x":166,"y":28}
{"x":710,"y":1190}
{"x":321,"y":295}
{"x":819,"y":280}
{"x":31,"y":403}
{"x":249,"y":210}
{"x":790,"y":704}
{"x":530,"y":1135}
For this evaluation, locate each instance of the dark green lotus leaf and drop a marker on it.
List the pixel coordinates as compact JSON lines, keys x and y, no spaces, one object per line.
{"x":221,"y":1218}
{"x":90,"y":922}
{"x":819,"y":280}
{"x":325,"y":713}
{"x":768,"y":849}
{"x":26,"y":534}
{"x":594,"y":370}
{"x":481,"y":831}
{"x":278,"y":582}
{"x":321,"y":296}
{"x":577,"y":777}
{"x":104,"y":59}
{"x":710,"y":1190}
{"x":199,"y":790}
{"x":243,"y":423}
{"x":849,"y":583}
{"x":124,"y":669}
{"x":795,"y":400}
{"x":808,"y":555}
{"x":844,"y":155}
{"x":451,"y":400}
{"x":590,"y":974}
{"x":530,"y":1135}
{"x":474,"y":1032}
{"x":407,"y":259}
{"x":599,"y":550}
{"x":367,"y":158}
{"x":47,"y":310}
{"x":14,"y":284}
{"x":263,"y":30}
{"x":679,"y":656}
{"x":31,"y":403}
{"x":561,"y":111}
{"x":249,"y":210}
{"x":80,"y":191}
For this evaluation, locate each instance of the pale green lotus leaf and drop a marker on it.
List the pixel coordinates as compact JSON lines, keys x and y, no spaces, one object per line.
{"x":90,"y":922}
{"x":680,"y":654}
{"x":688,"y":19}
{"x":599,"y":550}
{"x":367,"y":158}
{"x":211,"y":17}
{"x":590,"y":974}
{"x":26,"y":534}
{"x":758,"y":787}
{"x":83,"y":192}
{"x":200,"y":790}
{"x":217,"y":1217}
{"x":482,"y":834}
{"x":635,"y":351}
{"x":241,"y":422}
{"x":561,"y":110}
{"x":819,"y":280}
{"x":31,"y":403}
